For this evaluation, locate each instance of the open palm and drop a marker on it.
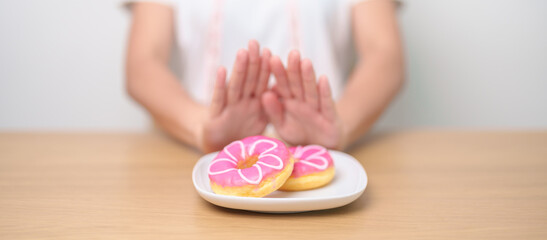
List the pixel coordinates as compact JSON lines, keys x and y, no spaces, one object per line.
{"x":301,"y":110}
{"x":236,"y":111}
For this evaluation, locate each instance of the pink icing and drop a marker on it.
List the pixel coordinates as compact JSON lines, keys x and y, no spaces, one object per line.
{"x":272,"y":155}
{"x":310,"y":159}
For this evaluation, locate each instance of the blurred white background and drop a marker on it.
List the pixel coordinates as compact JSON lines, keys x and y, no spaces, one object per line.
{"x":470,"y":64}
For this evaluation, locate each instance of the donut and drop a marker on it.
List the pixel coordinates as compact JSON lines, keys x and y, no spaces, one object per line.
{"x":313,"y":168}
{"x":252,"y":167}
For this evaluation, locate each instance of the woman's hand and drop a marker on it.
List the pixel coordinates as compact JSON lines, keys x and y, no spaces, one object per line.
{"x":301,"y":110}
{"x":235,"y":111}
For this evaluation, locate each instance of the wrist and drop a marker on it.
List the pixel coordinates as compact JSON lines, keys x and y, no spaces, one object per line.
{"x":198,"y":138}
{"x":198,"y":131}
{"x":344,"y":132}
{"x":343,"y":138}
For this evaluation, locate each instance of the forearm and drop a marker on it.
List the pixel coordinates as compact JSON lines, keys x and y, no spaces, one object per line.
{"x":372,"y":85}
{"x":153,"y":85}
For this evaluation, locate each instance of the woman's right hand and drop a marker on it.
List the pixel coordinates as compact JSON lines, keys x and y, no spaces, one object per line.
{"x":236,"y":111}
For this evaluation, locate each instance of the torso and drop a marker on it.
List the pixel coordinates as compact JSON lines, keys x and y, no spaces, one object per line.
{"x":209,"y":33}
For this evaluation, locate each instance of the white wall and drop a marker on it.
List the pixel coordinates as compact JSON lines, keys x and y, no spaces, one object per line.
{"x":471,"y":64}
{"x":61,"y":66}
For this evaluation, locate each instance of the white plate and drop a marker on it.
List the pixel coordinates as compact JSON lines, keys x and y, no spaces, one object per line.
{"x":348,"y":184}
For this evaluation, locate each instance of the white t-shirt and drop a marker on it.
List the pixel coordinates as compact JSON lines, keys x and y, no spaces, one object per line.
{"x":210,"y":32}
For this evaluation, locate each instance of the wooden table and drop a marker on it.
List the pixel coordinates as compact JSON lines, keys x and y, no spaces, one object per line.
{"x":422,"y":185}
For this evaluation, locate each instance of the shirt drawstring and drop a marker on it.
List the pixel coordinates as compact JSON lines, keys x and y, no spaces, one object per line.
{"x":294,"y":24}
{"x":213,"y":51}
{"x":213,"y":48}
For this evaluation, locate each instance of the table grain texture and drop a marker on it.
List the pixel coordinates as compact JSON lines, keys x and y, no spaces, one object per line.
{"x":422,"y":185}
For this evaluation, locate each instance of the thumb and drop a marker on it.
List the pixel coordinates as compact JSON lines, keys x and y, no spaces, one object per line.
{"x":273,"y":108}
{"x":219,"y":93}
{"x":326,"y":102}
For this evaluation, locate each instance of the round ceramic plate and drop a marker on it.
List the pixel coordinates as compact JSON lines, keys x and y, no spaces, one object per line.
{"x":348,"y":184}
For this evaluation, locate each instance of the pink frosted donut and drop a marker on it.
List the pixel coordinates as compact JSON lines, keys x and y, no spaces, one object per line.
{"x":252,"y":167}
{"x":313,"y":168}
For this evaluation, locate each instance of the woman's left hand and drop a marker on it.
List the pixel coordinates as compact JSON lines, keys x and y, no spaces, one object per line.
{"x":301,"y":110}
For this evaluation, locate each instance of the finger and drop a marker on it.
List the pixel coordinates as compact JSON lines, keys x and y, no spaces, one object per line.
{"x":273,"y":108}
{"x":281,"y":77}
{"x":310,"y":87}
{"x":264,"y":75}
{"x":326,"y":101}
{"x":274,"y":89}
{"x":251,"y":77}
{"x":294,"y":75}
{"x":219,"y":93}
{"x":237,"y":77}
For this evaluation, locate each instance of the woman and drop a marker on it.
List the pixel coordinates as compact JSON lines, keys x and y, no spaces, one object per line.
{"x":355,"y":44}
